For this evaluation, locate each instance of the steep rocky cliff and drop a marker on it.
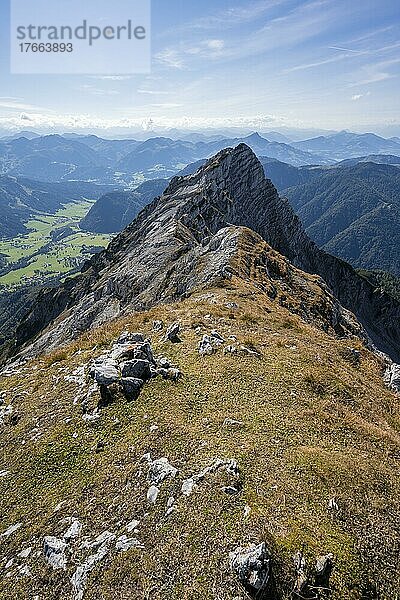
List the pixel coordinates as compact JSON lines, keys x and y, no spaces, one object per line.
{"x":172,"y":248}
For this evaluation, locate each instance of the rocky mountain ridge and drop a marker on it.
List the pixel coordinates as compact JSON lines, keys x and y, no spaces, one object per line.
{"x":179,"y":234}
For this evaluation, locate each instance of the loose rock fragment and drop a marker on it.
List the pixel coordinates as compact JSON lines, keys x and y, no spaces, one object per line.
{"x":216,"y":338}
{"x":323,"y":571}
{"x":205,"y":346}
{"x":124,"y":543}
{"x":230,"y":466}
{"x":152,"y":494}
{"x":159,"y":470}
{"x":127,"y":337}
{"x":54,"y":552}
{"x":232,"y":423}
{"x":230,"y":490}
{"x":157,"y":325}
{"x":132,"y":387}
{"x":79,"y":578}
{"x":137,"y":369}
{"x":172,"y":374}
{"x":230,"y":350}
{"x":25,"y":552}
{"x":12,"y":529}
{"x":253,"y":566}
{"x":73,"y":531}
{"x":132,"y":526}
{"x":172,"y":333}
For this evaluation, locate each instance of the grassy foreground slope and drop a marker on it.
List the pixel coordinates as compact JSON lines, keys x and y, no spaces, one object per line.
{"x":317,"y":427}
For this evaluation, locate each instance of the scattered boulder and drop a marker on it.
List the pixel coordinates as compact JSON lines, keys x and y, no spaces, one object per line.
{"x":126,"y":367}
{"x":158,"y":325}
{"x":132,"y":526}
{"x":54,"y":552}
{"x":392,"y":377}
{"x":309,"y":584}
{"x":152,"y":494}
{"x":230,"y":466}
{"x":123,"y":543}
{"x":170,"y":506}
{"x":137,"y":368}
{"x":12,"y":529}
{"x":230,"y":349}
{"x":79,"y":578}
{"x":232,"y":423}
{"x":253,"y":566}
{"x":73,"y":531}
{"x":248,"y":351}
{"x":172,"y":333}
{"x":232,"y":305}
{"x":216,"y":338}
{"x":205,"y":346}
{"x":132,"y":387}
{"x":323,"y":571}
{"x":163,"y":363}
{"x":230,"y":490}
{"x":25,"y":553}
{"x":159,"y":470}
{"x":105,"y":371}
{"x":128,"y":337}
{"x":172,"y":374}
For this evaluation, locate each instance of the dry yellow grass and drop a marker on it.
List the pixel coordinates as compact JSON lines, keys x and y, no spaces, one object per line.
{"x":316,"y":427}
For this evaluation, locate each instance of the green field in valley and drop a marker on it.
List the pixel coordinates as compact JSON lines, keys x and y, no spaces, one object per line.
{"x":36,"y":257}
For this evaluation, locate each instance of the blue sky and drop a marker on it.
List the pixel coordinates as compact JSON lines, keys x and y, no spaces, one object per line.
{"x":261,"y":64}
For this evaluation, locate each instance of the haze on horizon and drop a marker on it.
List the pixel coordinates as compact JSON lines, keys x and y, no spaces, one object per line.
{"x":257,"y":65}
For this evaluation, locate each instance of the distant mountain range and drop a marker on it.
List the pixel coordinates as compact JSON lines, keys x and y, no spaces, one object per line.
{"x":55,"y":157}
{"x":354,"y":213}
{"x":127,"y":161}
{"x":115,"y":210}
{"x":348,"y":145}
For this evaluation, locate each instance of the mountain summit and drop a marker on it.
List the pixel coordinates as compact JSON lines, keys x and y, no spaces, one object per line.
{"x":184,"y":232}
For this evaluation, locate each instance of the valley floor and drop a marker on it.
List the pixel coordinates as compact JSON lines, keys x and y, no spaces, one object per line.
{"x":39,"y":256}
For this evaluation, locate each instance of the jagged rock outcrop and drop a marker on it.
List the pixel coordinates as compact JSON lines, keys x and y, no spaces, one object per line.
{"x":194,"y":235}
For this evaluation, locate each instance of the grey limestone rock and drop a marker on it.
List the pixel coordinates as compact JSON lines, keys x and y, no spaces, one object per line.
{"x":54,"y":552}
{"x":253,"y":566}
{"x":137,"y":368}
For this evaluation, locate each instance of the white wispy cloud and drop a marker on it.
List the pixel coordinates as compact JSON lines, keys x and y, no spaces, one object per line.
{"x":376,"y":72}
{"x":170,"y":57}
{"x":111,"y":77}
{"x":16,"y":104}
{"x":297,"y":26}
{"x":166,"y":105}
{"x":237,"y":15}
{"x":317,"y":63}
{"x":90,"y":89}
{"x":154,"y":92}
{"x":356,"y":97}
{"x":81,"y":122}
{"x":343,"y":49}
{"x":347,"y":53}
